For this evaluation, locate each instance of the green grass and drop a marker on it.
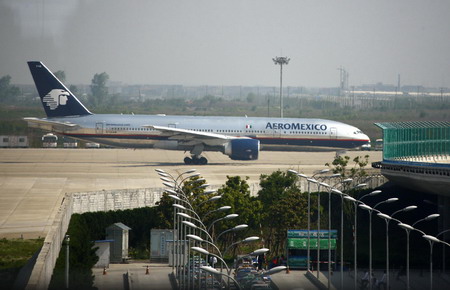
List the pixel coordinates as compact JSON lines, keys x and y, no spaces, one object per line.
{"x":16,"y":252}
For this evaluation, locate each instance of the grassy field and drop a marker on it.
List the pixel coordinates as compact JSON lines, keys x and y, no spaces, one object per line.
{"x":14,"y":254}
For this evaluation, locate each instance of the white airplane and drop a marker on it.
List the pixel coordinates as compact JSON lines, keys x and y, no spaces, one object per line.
{"x":241,"y":138}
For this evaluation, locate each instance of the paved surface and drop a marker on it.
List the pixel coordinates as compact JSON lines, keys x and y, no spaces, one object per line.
{"x":295,"y":280}
{"x":34,"y":181}
{"x":159,"y":278}
{"x":115,"y":278}
{"x":418,"y":279}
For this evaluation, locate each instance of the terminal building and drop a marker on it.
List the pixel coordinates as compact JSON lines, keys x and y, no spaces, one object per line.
{"x":416,"y":156}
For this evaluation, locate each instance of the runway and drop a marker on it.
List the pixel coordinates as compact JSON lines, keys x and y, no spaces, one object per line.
{"x":33,"y":182}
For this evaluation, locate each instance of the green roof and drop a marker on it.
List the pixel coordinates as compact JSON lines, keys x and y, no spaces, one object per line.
{"x":412,"y":139}
{"x":413,"y":125}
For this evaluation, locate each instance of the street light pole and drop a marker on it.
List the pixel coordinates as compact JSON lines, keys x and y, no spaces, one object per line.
{"x":443,"y":249}
{"x":387,"y":219}
{"x":281,"y":60}
{"x":318,"y":231}
{"x":408,"y":229}
{"x":431,"y":240}
{"x":308,"y":258}
{"x":355,"y":235}
{"x":308,"y":180}
{"x":67,"y":261}
{"x":318,"y":220}
{"x":342,"y":195}
{"x":370,"y":210}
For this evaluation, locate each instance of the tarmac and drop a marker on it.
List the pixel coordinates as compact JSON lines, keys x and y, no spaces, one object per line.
{"x":33,"y":182}
{"x":159,"y":278}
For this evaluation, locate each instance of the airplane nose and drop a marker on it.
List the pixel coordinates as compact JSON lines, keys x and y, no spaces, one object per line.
{"x":365,"y":137}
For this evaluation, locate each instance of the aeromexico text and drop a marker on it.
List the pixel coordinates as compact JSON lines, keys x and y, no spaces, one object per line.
{"x":296,"y":126}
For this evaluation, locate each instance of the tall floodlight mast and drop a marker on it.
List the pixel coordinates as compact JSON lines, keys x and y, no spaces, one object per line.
{"x":281,"y":60}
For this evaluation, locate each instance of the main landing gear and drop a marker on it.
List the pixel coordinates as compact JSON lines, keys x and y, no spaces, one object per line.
{"x":196,"y":160}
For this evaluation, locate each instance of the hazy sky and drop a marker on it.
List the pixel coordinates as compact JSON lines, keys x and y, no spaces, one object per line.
{"x":229,"y":42}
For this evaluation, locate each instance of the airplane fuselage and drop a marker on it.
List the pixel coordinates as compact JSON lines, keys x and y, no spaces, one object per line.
{"x":273,"y":133}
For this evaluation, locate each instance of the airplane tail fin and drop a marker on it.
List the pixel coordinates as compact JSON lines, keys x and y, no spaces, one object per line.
{"x":57,"y":100}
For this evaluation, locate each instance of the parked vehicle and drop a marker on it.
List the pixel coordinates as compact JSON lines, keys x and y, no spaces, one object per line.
{"x":49,"y":140}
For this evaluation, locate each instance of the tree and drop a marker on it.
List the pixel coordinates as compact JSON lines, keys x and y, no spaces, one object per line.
{"x":7,"y":91}
{"x":61,"y":75}
{"x":251,"y":98}
{"x":99,"y":89}
{"x":236,"y":193}
{"x":357,"y":172}
{"x":73,"y":89}
{"x":82,"y":258}
{"x":284,"y":207}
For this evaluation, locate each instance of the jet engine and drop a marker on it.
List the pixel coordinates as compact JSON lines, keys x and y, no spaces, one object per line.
{"x":242,"y":149}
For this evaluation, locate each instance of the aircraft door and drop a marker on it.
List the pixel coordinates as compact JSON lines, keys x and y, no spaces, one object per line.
{"x":172,"y":125}
{"x":333,"y":133}
{"x":99,"y":128}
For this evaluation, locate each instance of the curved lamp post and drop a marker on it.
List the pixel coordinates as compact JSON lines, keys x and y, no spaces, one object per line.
{"x":408,"y":230}
{"x":318,"y":219}
{"x":222,"y":208}
{"x":308,"y":259}
{"x":213,"y":271}
{"x":387,"y":219}
{"x":272,"y":271}
{"x":236,"y":228}
{"x":370,"y":210}
{"x":227,"y":217}
{"x":199,"y":239}
{"x":214,"y":198}
{"x":342,"y":195}
{"x":309,"y":181}
{"x":246,"y":240}
{"x":355,"y":244}
{"x":431,"y":240}
{"x":206,"y":252}
{"x":443,"y":249}
{"x":332,"y":189}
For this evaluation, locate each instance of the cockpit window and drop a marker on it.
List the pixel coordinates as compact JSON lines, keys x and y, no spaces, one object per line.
{"x":358,"y":132}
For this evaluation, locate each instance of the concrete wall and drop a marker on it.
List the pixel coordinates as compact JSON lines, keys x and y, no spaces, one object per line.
{"x":81,"y":203}
{"x":43,"y":269}
{"x":120,"y":199}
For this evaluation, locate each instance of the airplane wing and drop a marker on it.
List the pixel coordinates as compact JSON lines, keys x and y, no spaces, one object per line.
{"x":193,"y":137}
{"x":50,"y":125}
{"x":183,"y":133}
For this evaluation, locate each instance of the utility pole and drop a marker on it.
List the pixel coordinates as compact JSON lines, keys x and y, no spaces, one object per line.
{"x":281,"y":60}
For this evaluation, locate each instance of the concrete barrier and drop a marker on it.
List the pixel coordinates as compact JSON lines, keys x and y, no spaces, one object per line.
{"x":45,"y":262}
{"x":122,"y":199}
{"x":82,"y":202}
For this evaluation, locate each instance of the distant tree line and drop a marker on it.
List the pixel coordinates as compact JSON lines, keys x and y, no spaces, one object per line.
{"x":7,"y":91}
